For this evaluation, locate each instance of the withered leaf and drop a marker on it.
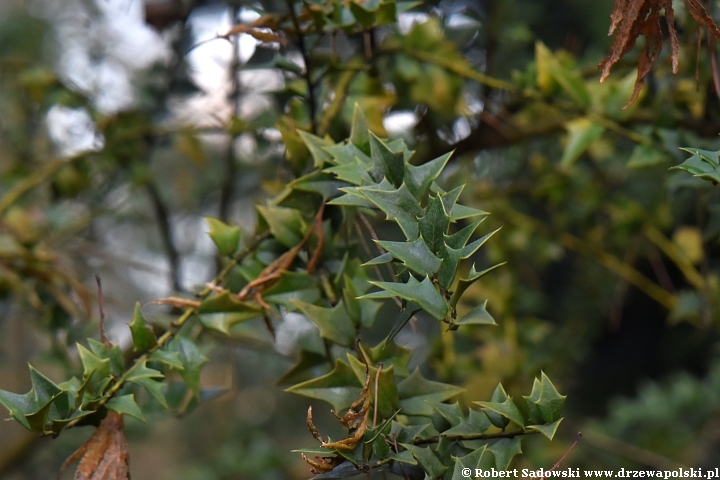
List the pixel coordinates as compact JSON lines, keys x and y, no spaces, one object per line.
{"x":105,"y":454}
{"x":632,"y":18}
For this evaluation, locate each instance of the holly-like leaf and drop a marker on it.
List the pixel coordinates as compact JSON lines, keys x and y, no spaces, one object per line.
{"x":142,"y":333}
{"x":422,"y":293}
{"x":434,"y":224}
{"x":390,"y":352}
{"x":113,"y":353}
{"x":415,"y":255}
{"x":504,"y":450}
{"x":451,"y":412}
{"x":339,"y":388}
{"x":359,"y":131}
{"x":499,"y":411}
{"x":704,"y":164}
{"x":19,"y":406}
{"x":477,"y":316}
{"x":223,"y":322}
{"x":547,"y":430}
{"x":398,"y":205}
{"x":387,"y":396}
{"x":126,"y":405}
{"x":476,"y":422}
{"x":154,"y":388}
{"x":386,"y":163}
{"x":171,"y":359}
{"x":141,"y":370}
{"x":227,"y":302}
{"x":293,"y":287}
{"x":460,"y":238}
{"x":417,"y":394}
{"x":427,"y":460}
{"x":285,"y":224}
{"x":226,"y":237}
{"x":324,"y":184}
{"x":472,"y":461}
{"x":334,"y":323}
{"x":406,"y":313}
{"x":472,"y":277}
{"x":316,"y":146}
{"x":96,"y":370}
{"x":419,"y":178}
{"x":192,"y":360}
{"x":549,"y":402}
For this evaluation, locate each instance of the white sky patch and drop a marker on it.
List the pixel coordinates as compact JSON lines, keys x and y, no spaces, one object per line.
{"x":406,"y":20}
{"x":72,"y":131}
{"x":399,"y":123}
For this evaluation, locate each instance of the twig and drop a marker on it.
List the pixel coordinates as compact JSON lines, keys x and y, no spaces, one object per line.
{"x":103,"y":336}
{"x":307,"y":74}
{"x":572,"y":447}
{"x":163,"y":218}
{"x":473,"y":436}
{"x":176,"y":325}
{"x":377,"y":383}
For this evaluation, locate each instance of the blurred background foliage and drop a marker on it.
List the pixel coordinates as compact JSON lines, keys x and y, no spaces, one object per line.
{"x":123,"y":123}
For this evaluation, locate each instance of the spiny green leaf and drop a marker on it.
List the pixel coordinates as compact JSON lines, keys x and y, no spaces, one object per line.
{"x":346,"y":153}
{"x":44,"y":388}
{"x":126,"y":405}
{"x":472,"y":277}
{"x":504,"y":450}
{"x":407,"y":433}
{"x":390,"y":352}
{"x":95,"y":369}
{"x":477,"y":316}
{"x":226,"y":237}
{"x":113,"y":353}
{"x":339,"y":388}
{"x":418,"y":393}
{"x":386,"y":163}
{"x":379,"y":260}
{"x":142,"y":333}
{"x":423,"y":293}
{"x":550,"y":402}
{"x":227,"y":302}
{"x":19,"y":405}
{"x":141,"y":370}
{"x":292,"y":287}
{"x":38,"y":420}
{"x":498,"y":410}
{"x":192,"y":360}
{"x":285,"y":224}
{"x":450,"y":412}
{"x":472,"y":461}
{"x":460,"y":212}
{"x":427,"y":460}
{"x":355,"y":172}
{"x":398,"y":205}
{"x":171,"y":359}
{"x":154,"y":388}
{"x":704,"y":164}
{"x":415,"y":255}
{"x":450,"y":263}
{"x":359,"y":131}
{"x":419,"y":178}
{"x":316,"y":146}
{"x":324,"y":184}
{"x":334,"y":323}
{"x":387,"y":396}
{"x":224,"y":321}
{"x":302,"y":369}
{"x":476,"y":422}
{"x":461,"y":237}
{"x":406,"y":313}
{"x":582,"y":132}
{"x":434,"y":224}
{"x":547,"y":430}
{"x":470,"y":249}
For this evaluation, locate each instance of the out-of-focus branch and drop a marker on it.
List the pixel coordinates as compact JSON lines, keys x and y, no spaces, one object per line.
{"x":165,"y":226}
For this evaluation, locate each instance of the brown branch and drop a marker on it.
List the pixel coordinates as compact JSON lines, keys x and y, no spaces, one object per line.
{"x":572,"y":447}
{"x":163,"y":218}
{"x":307,"y":60}
{"x":472,"y":436}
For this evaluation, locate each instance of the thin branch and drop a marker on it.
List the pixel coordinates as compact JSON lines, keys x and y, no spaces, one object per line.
{"x":572,"y":447}
{"x":472,"y":436}
{"x":307,"y":60}
{"x":676,"y":255}
{"x":375,"y":404}
{"x":338,"y":100}
{"x":163,"y":218}
{"x":101,"y":307}
{"x":166,"y":337}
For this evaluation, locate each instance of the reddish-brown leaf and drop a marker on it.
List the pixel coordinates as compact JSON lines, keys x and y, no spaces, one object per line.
{"x":105,"y":455}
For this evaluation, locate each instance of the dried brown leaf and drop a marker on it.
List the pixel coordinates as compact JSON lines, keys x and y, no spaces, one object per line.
{"x":105,"y":455}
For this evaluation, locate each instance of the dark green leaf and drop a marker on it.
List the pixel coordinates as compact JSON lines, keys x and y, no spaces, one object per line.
{"x":550,"y":402}
{"x":398,"y":205}
{"x":434,"y":224}
{"x":477,"y":422}
{"x":114,"y":354}
{"x":423,"y":293}
{"x":417,"y":394}
{"x":418,"y":179}
{"x":472,"y":461}
{"x":415,"y":255}
{"x":427,"y":460}
{"x":504,"y":450}
{"x":477,"y":316}
{"x":386,"y":163}
{"x":324,"y":184}
{"x":704,"y":164}
{"x":316,"y":146}
{"x":192,"y":360}
{"x":285,"y":224}
{"x":126,"y":405}
{"x":407,"y":312}
{"x":293,"y":287}
{"x":171,"y":359}
{"x":506,"y":409}
{"x":334,"y":323}
{"x":339,"y":388}
{"x":547,"y":430}
{"x":19,"y":405}
{"x":226,"y":237}
{"x":140,"y":370}
{"x":472,"y":277}
{"x":450,"y":412}
{"x":142,"y":333}
{"x":461,"y":237}
{"x":155,"y":389}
